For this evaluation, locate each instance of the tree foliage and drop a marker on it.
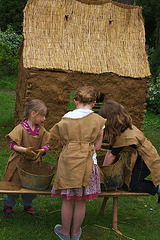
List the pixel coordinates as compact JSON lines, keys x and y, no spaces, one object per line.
{"x":12,"y":14}
{"x":151,"y":14}
{"x":9,"y":45}
{"x":154,"y":61}
{"x":153,"y":102}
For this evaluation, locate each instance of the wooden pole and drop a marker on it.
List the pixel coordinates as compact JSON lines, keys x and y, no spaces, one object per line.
{"x":115,"y":212}
{"x":101,"y":212}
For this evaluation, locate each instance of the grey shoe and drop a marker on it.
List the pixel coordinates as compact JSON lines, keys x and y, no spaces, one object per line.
{"x":77,"y":237}
{"x":62,"y":236}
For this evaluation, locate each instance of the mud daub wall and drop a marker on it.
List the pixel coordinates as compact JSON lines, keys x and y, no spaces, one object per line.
{"x":54,"y":88}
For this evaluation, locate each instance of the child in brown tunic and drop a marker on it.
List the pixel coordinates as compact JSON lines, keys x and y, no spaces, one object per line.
{"x":77,"y":179}
{"x":29,"y":141}
{"x":143,"y":158}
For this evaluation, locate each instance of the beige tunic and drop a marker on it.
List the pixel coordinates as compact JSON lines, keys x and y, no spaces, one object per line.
{"x":144,"y":148}
{"x":22,"y":138}
{"x":75,"y":163}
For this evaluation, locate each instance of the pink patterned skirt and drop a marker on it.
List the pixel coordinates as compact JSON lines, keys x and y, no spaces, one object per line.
{"x":81,"y":193}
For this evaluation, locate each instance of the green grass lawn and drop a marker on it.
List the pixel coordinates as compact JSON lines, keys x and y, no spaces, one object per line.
{"x":138,"y":217}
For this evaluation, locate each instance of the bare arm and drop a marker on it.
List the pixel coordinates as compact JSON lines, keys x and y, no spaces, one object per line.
{"x":109,"y":158}
{"x":98,"y":144}
{"x":28,"y":151}
{"x":19,"y":149}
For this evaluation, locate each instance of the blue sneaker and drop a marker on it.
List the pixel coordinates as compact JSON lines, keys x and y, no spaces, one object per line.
{"x":77,"y":237}
{"x":62,"y":236}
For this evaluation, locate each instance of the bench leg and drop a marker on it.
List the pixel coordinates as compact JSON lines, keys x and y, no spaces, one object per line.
{"x":101,"y":212}
{"x":115,"y":212}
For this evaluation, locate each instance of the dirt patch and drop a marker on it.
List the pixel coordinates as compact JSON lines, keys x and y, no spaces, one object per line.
{"x":11,"y":92}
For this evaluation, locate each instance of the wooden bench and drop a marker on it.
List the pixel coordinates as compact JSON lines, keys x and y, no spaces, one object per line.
{"x":115,"y":194}
{"x":105,"y":194}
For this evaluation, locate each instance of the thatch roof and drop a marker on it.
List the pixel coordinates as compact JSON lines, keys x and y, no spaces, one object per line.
{"x":86,"y":36}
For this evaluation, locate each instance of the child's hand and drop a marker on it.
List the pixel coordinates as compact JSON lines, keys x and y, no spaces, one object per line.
{"x":30,"y":153}
{"x":39,"y":152}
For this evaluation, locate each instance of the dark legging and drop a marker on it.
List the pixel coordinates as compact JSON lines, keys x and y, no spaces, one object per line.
{"x":138,"y":184}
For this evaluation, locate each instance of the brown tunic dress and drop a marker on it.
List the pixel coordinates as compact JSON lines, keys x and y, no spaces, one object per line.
{"x":144,"y":148}
{"x":22,"y":138}
{"x":75,"y":163}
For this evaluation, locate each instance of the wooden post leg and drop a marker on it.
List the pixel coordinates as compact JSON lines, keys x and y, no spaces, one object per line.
{"x":101,"y":212}
{"x":115,"y":212}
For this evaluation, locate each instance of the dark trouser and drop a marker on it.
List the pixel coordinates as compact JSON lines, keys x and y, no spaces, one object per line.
{"x":138,"y":184}
{"x":10,"y":199}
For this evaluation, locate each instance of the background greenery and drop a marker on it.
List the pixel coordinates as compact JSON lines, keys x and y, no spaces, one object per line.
{"x":9,"y":45}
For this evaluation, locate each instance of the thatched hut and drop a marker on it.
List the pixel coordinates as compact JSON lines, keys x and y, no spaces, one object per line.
{"x":69,"y":43}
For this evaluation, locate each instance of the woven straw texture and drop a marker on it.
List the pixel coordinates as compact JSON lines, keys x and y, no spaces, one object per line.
{"x":89,"y":37}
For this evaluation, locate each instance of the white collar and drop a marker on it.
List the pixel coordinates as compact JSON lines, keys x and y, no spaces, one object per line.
{"x":78,"y":113}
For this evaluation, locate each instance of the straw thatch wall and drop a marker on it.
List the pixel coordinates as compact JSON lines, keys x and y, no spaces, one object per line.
{"x":86,"y":36}
{"x":69,"y":43}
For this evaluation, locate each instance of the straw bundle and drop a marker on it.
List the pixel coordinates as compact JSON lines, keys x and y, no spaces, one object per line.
{"x":85,"y":36}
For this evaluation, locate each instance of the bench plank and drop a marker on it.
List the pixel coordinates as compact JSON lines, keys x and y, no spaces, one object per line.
{"x":105,"y":194}
{"x":111,"y":193}
{"x":27,"y":191}
{"x":120,"y":193}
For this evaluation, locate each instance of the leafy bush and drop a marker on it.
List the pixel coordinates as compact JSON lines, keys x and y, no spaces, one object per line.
{"x":9,"y":45}
{"x":8,"y":82}
{"x":154,"y":96}
{"x":153,"y":102}
{"x":154,"y":61}
{"x":12,"y":14}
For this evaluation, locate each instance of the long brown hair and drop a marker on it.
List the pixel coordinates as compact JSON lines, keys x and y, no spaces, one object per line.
{"x":117,"y":119}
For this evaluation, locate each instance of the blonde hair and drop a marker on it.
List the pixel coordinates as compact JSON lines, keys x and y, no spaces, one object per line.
{"x":85,"y":95}
{"x":117,"y":119}
{"x":37,"y":106}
